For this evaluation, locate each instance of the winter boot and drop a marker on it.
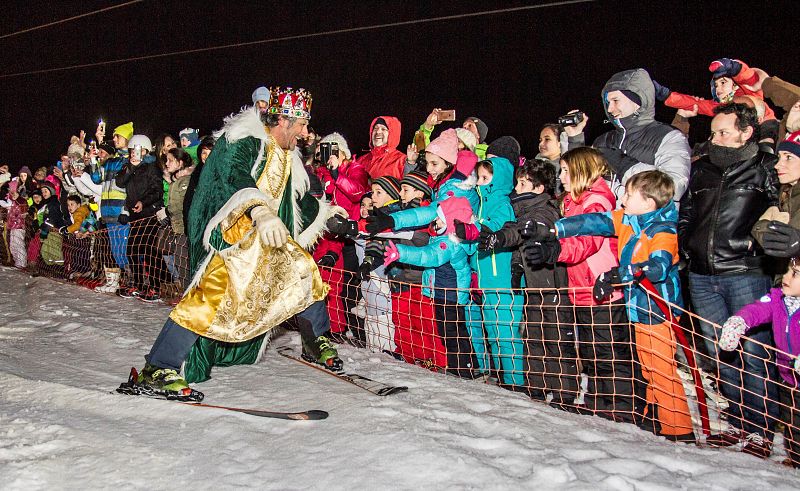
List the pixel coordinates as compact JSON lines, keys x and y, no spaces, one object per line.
{"x":162,"y":379}
{"x":322,"y":351}
{"x":112,"y":281}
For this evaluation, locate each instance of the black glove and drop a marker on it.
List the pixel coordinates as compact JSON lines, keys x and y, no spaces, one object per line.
{"x":538,"y":253}
{"x":618,"y":161}
{"x":603,"y":286}
{"x":124,"y":219}
{"x":517,"y":271}
{"x":536,"y":231}
{"x":379,"y":222}
{"x":461,"y":229}
{"x":781,"y":240}
{"x":661,"y":92}
{"x":329,"y":259}
{"x":340,"y":225}
{"x":488,"y":240}
{"x":366,"y":267}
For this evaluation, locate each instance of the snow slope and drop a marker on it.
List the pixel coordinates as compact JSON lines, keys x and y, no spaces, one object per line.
{"x":64,"y":348}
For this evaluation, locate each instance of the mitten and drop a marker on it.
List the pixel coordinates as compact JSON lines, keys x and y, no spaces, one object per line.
{"x":733,"y":329}
{"x":379,"y":222}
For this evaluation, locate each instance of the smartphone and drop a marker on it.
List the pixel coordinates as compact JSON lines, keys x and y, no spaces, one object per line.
{"x":102,"y":127}
{"x":447,"y":114}
{"x":137,"y":153}
{"x":419,"y":141}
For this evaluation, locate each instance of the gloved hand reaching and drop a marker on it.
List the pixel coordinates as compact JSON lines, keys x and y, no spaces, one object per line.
{"x":340,"y":225}
{"x":466,"y":231}
{"x":390,"y":254}
{"x":328,"y":259}
{"x":662,"y":93}
{"x":781,"y":240}
{"x":536,"y":231}
{"x":379,"y":222}
{"x":733,"y":329}
{"x":604,"y":285}
{"x":538,"y":253}
{"x":271,"y":229}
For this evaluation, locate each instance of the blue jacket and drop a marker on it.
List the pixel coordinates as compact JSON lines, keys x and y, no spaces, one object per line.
{"x":112,"y":197}
{"x":650,"y":241}
{"x":456,"y":185}
{"x":494,"y":267}
{"x":446,"y":263}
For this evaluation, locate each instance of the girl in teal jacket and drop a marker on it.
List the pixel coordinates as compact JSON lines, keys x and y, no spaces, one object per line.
{"x":495,"y":321}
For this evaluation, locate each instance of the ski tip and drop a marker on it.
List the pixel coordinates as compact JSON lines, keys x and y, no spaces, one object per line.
{"x":314,"y":414}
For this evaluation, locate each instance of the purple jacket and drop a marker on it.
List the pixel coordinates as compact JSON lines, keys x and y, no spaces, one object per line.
{"x":770,"y":308}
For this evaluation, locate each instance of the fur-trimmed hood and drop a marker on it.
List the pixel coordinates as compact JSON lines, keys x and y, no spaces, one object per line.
{"x":246,"y":123}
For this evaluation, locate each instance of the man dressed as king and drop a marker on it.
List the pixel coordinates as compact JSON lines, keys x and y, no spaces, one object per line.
{"x":250,"y":224}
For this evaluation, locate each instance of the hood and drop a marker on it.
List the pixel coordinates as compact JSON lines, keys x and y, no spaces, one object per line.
{"x":667,"y":213}
{"x":639,"y":82}
{"x":394,"y":131}
{"x":502,"y":179}
{"x":455,"y":208}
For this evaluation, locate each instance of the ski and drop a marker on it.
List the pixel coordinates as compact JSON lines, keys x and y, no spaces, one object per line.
{"x":191,"y":397}
{"x":372,"y":386}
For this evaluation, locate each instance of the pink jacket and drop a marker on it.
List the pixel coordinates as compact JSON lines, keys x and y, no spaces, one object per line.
{"x":17,"y":213}
{"x":588,"y":257}
{"x":348,"y":188}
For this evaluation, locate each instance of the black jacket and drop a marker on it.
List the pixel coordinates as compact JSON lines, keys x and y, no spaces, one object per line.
{"x":143,"y":183}
{"x":718,"y":211}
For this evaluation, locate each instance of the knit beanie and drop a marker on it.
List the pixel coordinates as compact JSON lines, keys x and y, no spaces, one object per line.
{"x":633,"y":96}
{"x":390,"y":184}
{"x":483,"y":130}
{"x":26,"y":170}
{"x":506,"y":147}
{"x":125,"y":130}
{"x":417,"y":180}
{"x":791,"y":144}
{"x":467,"y":138}
{"x":75,"y":151}
{"x":445,"y":146}
{"x":381,"y":121}
{"x":338,"y":139}
{"x":261,"y":94}
{"x":110,"y":150}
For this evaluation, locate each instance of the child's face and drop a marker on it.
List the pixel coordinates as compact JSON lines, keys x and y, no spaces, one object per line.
{"x":72,"y":206}
{"x":723,"y":86}
{"x":635,"y":204}
{"x":564,"y":176}
{"x":37,"y":199}
{"x":379,"y":196}
{"x":790,"y":284}
{"x":549,"y":146}
{"x":524,"y":185}
{"x":409,"y":193}
{"x":484,"y":176}
{"x":366,"y":207}
{"x":436,"y":165}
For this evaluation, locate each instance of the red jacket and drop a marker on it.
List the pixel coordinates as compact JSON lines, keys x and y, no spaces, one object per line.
{"x":385,"y":160}
{"x":706,"y":106}
{"x":348,"y":187}
{"x":17,"y":213}
{"x":588,"y":257}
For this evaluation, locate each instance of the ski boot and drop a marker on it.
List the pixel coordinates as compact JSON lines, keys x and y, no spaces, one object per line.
{"x":322,"y":351}
{"x":161,"y":383}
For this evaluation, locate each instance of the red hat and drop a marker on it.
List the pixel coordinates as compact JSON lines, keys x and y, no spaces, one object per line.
{"x":292,"y":103}
{"x":791,"y":144}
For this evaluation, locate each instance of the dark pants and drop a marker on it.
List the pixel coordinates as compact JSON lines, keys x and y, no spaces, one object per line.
{"x":174,"y":342}
{"x":351,"y":290}
{"x":790,"y":416}
{"x":551,"y":359}
{"x":606,"y":348}
{"x":451,"y":322}
{"x":146,"y":263}
{"x":744,"y":375}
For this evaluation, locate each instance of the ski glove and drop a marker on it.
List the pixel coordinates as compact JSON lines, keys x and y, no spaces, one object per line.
{"x":517,"y":273}
{"x":367,"y":267}
{"x":539,"y":253}
{"x":340,"y":225}
{"x":271,"y":229}
{"x":488,"y":240}
{"x":618,"y":160}
{"x":662,"y":93}
{"x":466,"y":231}
{"x":379,"y":222}
{"x":733,"y":329}
{"x":329,"y":259}
{"x":391,"y":254}
{"x":536,"y":231}
{"x":781,"y":240}
{"x":604,"y":285}
{"x":725,"y":67}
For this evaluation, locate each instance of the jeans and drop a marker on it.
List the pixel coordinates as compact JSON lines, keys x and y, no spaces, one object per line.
{"x":118,"y":236}
{"x":743,"y":376}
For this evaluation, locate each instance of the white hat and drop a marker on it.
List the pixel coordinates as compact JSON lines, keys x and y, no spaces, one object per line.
{"x":467,"y":138}
{"x":140,"y":140}
{"x":339,"y":139}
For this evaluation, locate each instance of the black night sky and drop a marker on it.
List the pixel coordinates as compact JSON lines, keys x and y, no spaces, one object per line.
{"x":514,"y":70}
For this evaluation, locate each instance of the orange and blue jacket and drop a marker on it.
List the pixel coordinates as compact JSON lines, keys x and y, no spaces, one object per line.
{"x":649,"y":241}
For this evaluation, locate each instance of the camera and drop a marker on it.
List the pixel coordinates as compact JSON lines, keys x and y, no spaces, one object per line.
{"x":326,"y":150}
{"x":570,"y":119}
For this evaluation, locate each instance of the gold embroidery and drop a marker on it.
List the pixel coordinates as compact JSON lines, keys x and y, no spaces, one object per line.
{"x":273,"y":178}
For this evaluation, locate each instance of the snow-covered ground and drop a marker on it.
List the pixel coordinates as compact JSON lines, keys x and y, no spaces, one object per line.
{"x":63,"y":349}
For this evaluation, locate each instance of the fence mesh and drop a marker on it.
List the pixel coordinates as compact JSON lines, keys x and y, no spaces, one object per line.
{"x":668,"y":376}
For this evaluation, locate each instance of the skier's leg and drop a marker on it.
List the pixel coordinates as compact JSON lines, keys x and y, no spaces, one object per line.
{"x":171,"y":346}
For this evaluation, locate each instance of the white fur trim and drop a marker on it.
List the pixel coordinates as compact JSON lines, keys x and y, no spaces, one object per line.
{"x":309,"y":237}
{"x":239,"y":197}
{"x":470,"y":182}
{"x":339,"y":140}
{"x":300,"y":186}
{"x":246,"y":123}
{"x":264,"y":344}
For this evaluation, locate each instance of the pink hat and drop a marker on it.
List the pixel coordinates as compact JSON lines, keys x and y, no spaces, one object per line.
{"x":445,"y":146}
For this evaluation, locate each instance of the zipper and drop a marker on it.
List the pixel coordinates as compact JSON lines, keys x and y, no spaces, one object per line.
{"x":788,"y":324}
{"x":710,"y":251}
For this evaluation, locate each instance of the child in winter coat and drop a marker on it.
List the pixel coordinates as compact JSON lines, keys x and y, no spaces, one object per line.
{"x":15,"y":224}
{"x":77,"y":249}
{"x":446,"y":280}
{"x":646,"y":228}
{"x":412,"y":312}
{"x":551,"y":369}
{"x":779,"y":307}
{"x":495,"y":319}
{"x":603,"y":331}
